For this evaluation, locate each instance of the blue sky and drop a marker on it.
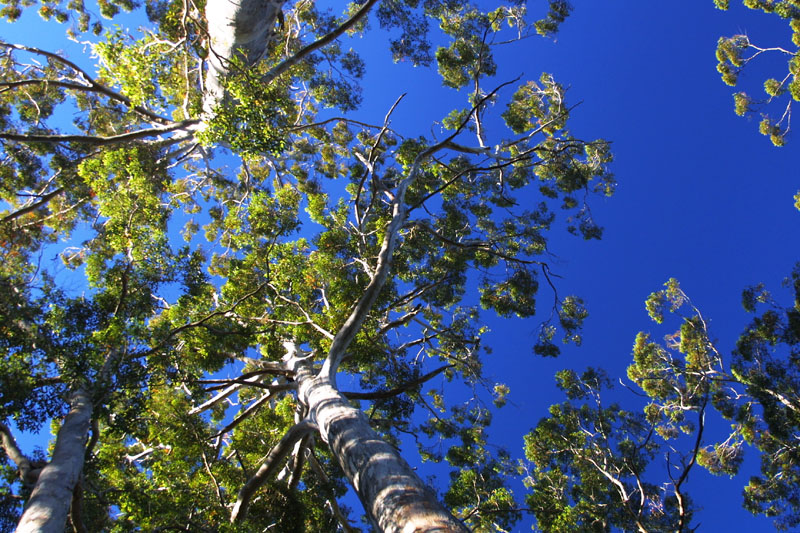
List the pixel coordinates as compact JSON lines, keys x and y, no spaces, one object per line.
{"x":702,"y":196}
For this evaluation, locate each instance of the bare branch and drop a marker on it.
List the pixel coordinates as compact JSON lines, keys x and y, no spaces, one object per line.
{"x":267,"y":367}
{"x":32,"y":207}
{"x":483,"y":246}
{"x":95,"y":426}
{"x":308,"y":321}
{"x":350,"y":328}
{"x":402,"y":321}
{"x":76,"y":509}
{"x":302,"y":127}
{"x":683,"y":511}
{"x":369,"y":163}
{"x":230,"y":389}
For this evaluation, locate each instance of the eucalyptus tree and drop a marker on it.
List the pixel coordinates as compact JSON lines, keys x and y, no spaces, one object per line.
{"x":734,"y":53}
{"x":594,"y":465}
{"x":341,"y":268}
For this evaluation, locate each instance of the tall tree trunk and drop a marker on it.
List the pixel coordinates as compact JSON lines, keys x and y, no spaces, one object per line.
{"x":236,"y":28}
{"x":51,"y":498}
{"x":393,"y":495}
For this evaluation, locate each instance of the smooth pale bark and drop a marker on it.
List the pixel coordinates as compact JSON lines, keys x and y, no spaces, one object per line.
{"x":394,"y":496}
{"x":269,"y":467}
{"x":242,"y":27}
{"x":27,"y":473}
{"x":48,"y":506}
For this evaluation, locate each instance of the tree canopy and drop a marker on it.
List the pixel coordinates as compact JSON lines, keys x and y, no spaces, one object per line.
{"x":734,"y":53}
{"x":267,"y":296}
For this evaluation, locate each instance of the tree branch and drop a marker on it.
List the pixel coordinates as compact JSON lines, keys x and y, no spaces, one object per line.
{"x":93,"y":86}
{"x":238,"y":384}
{"x":328,"y":335}
{"x":369,"y":163}
{"x":381,"y":395}
{"x":337,"y":512}
{"x":483,"y":246}
{"x":401,"y":321}
{"x":277,"y":454}
{"x":350,"y":328}
{"x":267,"y":367}
{"x":319,"y":43}
{"x":100,"y":141}
{"x":684,"y":475}
{"x":32,"y":207}
{"x":224,"y":393}
{"x":27,"y":473}
{"x":76,"y":509}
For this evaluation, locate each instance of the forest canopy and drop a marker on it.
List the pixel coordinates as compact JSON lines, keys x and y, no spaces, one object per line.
{"x":267,"y":300}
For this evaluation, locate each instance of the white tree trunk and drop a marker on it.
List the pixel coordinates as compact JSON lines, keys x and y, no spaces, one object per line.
{"x":394,"y":496}
{"x":240,"y":28}
{"x":48,"y":506}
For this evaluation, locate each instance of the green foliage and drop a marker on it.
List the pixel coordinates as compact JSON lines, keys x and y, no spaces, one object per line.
{"x":722,"y":458}
{"x":537,"y":105}
{"x":483,"y":486}
{"x":735,"y":53}
{"x":557,"y":14}
{"x":514,"y":295}
{"x":587,"y":465}
{"x":468,"y":56}
{"x":742,"y":104}
{"x":670,"y":299}
{"x":765,"y":363}
{"x":252,"y":118}
{"x":82,"y":19}
{"x":195,"y":273}
{"x":133,"y":66}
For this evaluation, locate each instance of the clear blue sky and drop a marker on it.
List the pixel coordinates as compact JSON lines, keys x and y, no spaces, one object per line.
{"x":702,"y":196}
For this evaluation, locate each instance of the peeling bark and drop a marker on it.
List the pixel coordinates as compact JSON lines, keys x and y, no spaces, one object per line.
{"x":51,"y":498}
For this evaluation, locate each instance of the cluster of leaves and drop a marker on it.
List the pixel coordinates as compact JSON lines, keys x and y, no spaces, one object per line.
{"x":75,"y":11}
{"x":733,"y":55}
{"x":253,"y":117}
{"x":766,"y":363}
{"x":158,"y":319}
{"x":147,"y":71}
{"x":589,"y":463}
{"x":588,"y":459}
